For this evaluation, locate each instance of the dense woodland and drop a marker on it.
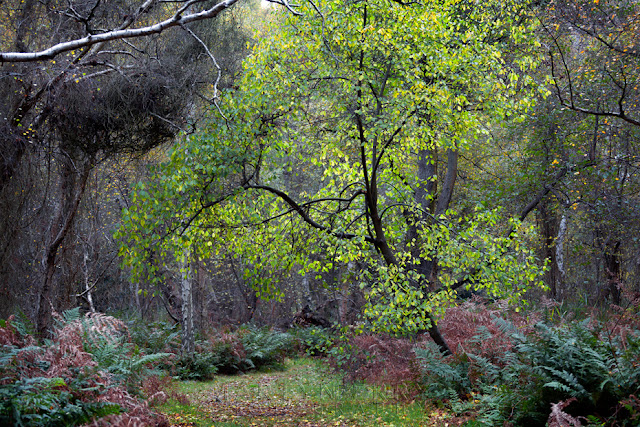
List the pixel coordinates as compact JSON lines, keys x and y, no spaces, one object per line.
{"x":366,"y":164}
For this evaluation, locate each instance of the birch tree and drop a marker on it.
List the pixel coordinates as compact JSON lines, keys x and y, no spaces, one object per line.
{"x":364,"y":94}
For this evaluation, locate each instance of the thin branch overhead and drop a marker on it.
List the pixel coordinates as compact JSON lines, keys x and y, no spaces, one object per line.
{"x":178,"y":19}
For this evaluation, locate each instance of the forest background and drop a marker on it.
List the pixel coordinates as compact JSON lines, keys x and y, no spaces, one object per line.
{"x":367,"y":163}
{"x":342,"y":154}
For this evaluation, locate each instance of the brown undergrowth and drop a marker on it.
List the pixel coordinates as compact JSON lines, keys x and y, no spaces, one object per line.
{"x":75,"y":373}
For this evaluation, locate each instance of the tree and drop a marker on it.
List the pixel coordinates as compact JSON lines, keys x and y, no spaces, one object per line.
{"x":365,"y":94}
{"x":592,"y":62}
{"x":87,"y":83}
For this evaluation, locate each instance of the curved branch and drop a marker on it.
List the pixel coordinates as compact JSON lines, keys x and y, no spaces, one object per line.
{"x":90,"y":40}
{"x":299,"y":209}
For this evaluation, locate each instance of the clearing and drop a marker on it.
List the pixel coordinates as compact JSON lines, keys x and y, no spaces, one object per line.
{"x":307,"y":393}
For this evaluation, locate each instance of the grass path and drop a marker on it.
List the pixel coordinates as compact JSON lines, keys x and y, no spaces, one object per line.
{"x":305,"y":394}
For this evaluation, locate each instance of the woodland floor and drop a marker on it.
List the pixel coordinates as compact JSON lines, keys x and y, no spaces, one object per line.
{"x":306,"y":394}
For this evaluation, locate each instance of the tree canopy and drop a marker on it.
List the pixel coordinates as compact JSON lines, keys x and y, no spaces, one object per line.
{"x":357,"y":97}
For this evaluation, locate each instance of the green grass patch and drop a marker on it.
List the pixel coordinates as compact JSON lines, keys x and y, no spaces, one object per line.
{"x":306,"y":393}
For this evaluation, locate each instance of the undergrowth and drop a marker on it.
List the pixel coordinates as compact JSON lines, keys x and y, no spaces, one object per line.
{"x":216,"y":351}
{"x":529,"y":368}
{"x":528,"y":372}
{"x":84,"y":374}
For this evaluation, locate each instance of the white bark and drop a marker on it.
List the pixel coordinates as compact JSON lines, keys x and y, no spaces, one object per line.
{"x":562,"y":231}
{"x":178,"y":19}
{"x":346,"y":292}
{"x":87,"y":286}
{"x":186,"y":285}
{"x":306,"y":288}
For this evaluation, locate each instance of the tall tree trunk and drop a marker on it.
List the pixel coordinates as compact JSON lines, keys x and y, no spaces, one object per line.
{"x":562,"y":233}
{"x":613,"y":271}
{"x":425,"y":197}
{"x":186,"y":290}
{"x":345,"y":302}
{"x":549,"y":232}
{"x":87,"y":284}
{"x":72,"y":189}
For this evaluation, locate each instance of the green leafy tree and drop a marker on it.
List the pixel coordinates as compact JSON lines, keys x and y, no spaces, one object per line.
{"x":365,"y":95}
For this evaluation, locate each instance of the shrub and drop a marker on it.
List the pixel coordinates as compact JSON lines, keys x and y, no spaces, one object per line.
{"x":61,"y":383}
{"x":229,"y":353}
{"x":583,"y":364}
{"x":156,"y":337}
{"x":266,"y":348}
{"x":314,"y":340}
{"x":384,"y":360}
{"x":197,"y":366}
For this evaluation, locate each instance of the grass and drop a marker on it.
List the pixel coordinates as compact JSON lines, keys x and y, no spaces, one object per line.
{"x":307,"y":393}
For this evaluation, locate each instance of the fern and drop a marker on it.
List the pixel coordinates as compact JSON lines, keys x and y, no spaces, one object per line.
{"x":123,"y":361}
{"x":566,"y":382}
{"x":265,"y":347}
{"x":44,"y":401}
{"x":443,"y":380}
{"x":61,"y":383}
{"x":22,"y":324}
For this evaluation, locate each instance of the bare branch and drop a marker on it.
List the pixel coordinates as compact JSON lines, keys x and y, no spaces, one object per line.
{"x":215,"y":64}
{"x":286,"y":4}
{"x":91,"y":40}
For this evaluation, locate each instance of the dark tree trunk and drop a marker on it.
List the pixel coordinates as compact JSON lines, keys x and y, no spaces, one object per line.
{"x":549,"y":228}
{"x":613,"y":271}
{"x":72,"y":189}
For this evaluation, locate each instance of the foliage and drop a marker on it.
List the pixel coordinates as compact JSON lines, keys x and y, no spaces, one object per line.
{"x":314,"y":340}
{"x":581,"y":364}
{"x":44,"y":401}
{"x":200,"y":366}
{"x":61,"y":383}
{"x":468,"y":251}
{"x":348,"y":94}
{"x":155,"y":337}
{"x":266,"y":348}
{"x":247,"y":349}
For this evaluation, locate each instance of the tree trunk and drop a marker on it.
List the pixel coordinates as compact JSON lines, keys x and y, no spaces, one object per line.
{"x":387,"y":252}
{"x":613,"y":271}
{"x":186,"y":290}
{"x":72,"y":189}
{"x":549,"y":231}
{"x":87,"y":284}
{"x":562,"y":232}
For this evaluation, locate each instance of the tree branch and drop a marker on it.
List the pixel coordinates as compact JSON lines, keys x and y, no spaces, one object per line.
{"x":90,"y":40}
{"x":299,"y":209}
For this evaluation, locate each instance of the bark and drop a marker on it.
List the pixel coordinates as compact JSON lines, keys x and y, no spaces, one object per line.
{"x":425,"y":197}
{"x":562,"y":232}
{"x":60,"y":227}
{"x":346,"y":291}
{"x":613,"y":271}
{"x":549,"y":231}
{"x":444,"y":198}
{"x":177,"y":20}
{"x":186,"y":290}
{"x":427,"y":182}
{"x":87,"y":285}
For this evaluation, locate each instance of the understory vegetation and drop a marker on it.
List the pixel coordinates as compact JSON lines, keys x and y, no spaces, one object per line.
{"x":530,"y":368}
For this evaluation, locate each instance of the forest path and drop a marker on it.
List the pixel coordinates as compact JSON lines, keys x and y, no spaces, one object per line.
{"x":306,"y":394}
